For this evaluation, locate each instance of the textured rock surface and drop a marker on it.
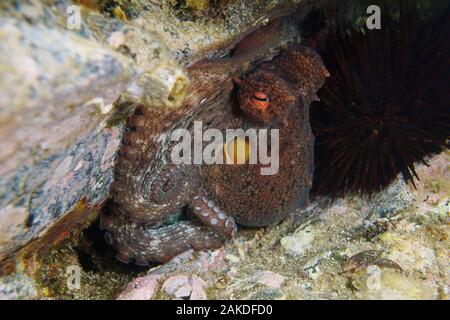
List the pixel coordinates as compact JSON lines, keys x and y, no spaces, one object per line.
{"x":56,"y":94}
{"x":17,"y":286}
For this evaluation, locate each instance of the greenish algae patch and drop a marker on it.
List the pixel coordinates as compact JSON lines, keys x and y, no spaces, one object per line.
{"x":100,"y":277}
{"x":74,"y":245}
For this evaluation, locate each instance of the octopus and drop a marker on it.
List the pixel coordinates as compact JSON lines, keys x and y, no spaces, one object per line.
{"x":161,"y":209}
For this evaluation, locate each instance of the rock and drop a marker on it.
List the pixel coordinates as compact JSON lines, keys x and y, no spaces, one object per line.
{"x":142,"y":288}
{"x":444,"y":208}
{"x":176,"y":286}
{"x":70,"y":181}
{"x":172,"y":274}
{"x":300,"y":241}
{"x":395,"y":198}
{"x":70,"y":66}
{"x":269,"y":279}
{"x":391,"y":285}
{"x":57,"y":89}
{"x":210,"y":260}
{"x":182,"y":287}
{"x":17,"y":287}
{"x":172,"y":284}
{"x":312,"y":266}
{"x":409,"y":251}
{"x":191,"y":261}
{"x":232,"y":258}
{"x":198,"y":294}
{"x":198,"y":285}
{"x":183,"y":292}
{"x":267,"y":294}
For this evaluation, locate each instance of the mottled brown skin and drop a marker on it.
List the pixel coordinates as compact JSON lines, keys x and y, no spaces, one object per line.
{"x":289,"y":83}
{"x":274,"y":96}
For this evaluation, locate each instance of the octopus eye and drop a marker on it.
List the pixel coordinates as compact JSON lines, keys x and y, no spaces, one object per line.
{"x":260,"y":100}
{"x":237,"y":150}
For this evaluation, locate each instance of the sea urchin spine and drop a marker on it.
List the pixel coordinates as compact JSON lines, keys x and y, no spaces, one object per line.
{"x":385,"y":106}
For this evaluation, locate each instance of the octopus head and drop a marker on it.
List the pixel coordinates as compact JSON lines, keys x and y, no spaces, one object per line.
{"x":266,"y":98}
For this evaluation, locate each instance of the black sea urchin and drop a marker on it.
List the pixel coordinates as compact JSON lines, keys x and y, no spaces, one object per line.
{"x":386,"y":104}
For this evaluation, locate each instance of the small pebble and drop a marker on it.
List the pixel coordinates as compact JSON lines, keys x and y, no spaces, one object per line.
{"x":184,"y":291}
{"x":173,"y":283}
{"x":269,"y":279}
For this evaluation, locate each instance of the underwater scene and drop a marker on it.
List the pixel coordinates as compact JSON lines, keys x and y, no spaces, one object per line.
{"x":224,"y":150}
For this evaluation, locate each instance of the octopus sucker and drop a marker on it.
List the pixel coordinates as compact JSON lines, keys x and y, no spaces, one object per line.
{"x":145,"y":222}
{"x":211,"y":215}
